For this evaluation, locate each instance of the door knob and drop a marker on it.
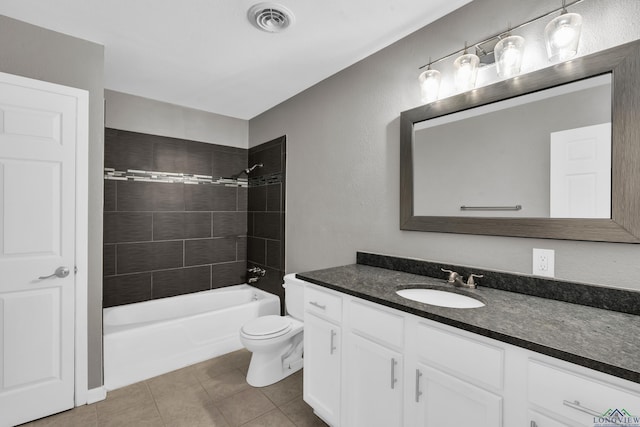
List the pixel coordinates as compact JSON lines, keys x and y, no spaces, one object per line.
{"x":60,"y":272}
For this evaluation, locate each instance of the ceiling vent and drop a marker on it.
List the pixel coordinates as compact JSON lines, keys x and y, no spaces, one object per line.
{"x":270,"y":17}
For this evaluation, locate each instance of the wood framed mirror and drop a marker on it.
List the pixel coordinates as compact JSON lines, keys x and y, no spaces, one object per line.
{"x":621,"y":221}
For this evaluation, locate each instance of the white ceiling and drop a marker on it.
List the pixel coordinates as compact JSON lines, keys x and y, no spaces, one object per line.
{"x":205,"y":54}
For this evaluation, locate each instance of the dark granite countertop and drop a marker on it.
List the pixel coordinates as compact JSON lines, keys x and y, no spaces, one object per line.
{"x":604,"y":340}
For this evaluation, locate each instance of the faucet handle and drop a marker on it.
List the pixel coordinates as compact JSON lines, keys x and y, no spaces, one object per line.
{"x":470,"y":280}
{"x":452,"y":275}
{"x":257,"y":270}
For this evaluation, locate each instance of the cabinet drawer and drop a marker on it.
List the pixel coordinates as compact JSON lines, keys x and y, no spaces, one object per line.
{"x":378,"y":324}
{"x":536,"y":419}
{"x":323,"y":303}
{"x":575,"y":396}
{"x":464,"y":357}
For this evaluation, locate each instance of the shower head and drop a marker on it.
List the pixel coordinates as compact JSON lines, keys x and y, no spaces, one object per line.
{"x":247,"y":171}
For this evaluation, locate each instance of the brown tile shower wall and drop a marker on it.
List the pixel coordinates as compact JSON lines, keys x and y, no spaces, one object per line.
{"x":166,"y":239}
{"x":265,"y":243}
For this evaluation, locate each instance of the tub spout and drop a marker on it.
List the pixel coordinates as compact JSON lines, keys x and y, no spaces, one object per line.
{"x":257,"y":270}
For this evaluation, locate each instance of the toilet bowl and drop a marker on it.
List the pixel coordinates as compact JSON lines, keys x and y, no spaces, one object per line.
{"x":276,"y":341}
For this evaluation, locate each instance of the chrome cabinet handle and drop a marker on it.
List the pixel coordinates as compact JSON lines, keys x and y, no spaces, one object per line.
{"x":576,"y":405}
{"x":418,"y":392}
{"x":394,"y":380}
{"x":320,"y":306}
{"x":333,"y":347}
{"x":60,"y":272}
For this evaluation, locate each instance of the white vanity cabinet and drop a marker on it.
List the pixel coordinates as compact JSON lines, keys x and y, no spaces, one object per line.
{"x":374,"y":368}
{"x":323,"y":353}
{"x":447,"y":401}
{"x":374,"y":385}
{"x":536,"y":419}
{"x":571,"y":396}
{"x":367,"y":365}
{"x":457,"y":380}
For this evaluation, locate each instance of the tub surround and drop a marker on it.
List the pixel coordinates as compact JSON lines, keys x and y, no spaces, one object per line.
{"x":171,"y":238}
{"x":595,"y":338}
{"x":266,"y":212}
{"x":164,"y":239}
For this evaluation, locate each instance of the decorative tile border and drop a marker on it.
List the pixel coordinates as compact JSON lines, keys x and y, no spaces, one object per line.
{"x":274,"y":178}
{"x":170,"y":177}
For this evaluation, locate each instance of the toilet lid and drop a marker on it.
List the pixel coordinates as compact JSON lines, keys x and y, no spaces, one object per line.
{"x":267,"y":325}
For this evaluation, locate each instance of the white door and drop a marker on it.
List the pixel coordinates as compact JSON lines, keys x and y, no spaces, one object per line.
{"x":580,"y":181}
{"x":322,"y":354}
{"x":374,"y":387}
{"x":38,"y":135}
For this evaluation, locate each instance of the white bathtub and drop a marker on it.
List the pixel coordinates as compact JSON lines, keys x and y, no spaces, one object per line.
{"x":150,"y":338}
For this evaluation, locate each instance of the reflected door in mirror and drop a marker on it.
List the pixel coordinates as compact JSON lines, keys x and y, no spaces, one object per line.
{"x":581,"y":172}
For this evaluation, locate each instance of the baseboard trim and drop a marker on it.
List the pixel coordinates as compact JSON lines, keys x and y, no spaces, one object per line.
{"x":96,"y":395}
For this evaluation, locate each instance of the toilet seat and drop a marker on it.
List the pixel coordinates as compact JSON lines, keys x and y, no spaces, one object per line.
{"x":266,"y":327}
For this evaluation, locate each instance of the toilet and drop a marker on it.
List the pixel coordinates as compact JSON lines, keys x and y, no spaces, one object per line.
{"x":276,"y":341}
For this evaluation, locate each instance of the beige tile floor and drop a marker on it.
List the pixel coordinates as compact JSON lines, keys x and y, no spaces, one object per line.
{"x":212,"y":393}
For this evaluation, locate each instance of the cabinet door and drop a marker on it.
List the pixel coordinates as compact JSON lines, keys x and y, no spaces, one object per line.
{"x":446,"y":401}
{"x":374,"y":384}
{"x":321,"y":375}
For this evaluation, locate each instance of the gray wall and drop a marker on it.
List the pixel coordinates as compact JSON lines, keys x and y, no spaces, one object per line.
{"x":343,"y":152}
{"x":137,"y":114}
{"x":34,"y":52}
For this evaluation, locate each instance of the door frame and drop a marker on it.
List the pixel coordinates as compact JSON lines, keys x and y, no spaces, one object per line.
{"x":81,"y":375}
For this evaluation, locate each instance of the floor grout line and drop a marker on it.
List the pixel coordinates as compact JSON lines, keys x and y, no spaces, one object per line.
{"x":232,"y":363}
{"x":155,"y":403}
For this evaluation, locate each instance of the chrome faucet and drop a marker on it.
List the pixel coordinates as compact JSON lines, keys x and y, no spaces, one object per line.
{"x":457,"y":280}
{"x":257,"y":270}
{"x":256,"y":274}
{"x":454,"y":278}
{"x":470,"y":282}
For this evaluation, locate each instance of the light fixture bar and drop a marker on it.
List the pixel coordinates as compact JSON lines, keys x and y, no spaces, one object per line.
{"x":496,"y":36}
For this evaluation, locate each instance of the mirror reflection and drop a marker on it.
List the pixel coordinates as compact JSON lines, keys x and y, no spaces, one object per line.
{"x":541,"y":155}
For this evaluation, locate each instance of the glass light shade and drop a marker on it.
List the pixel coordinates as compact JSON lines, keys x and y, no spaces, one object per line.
{"x":466,"y":67}
{"x":508,"y":53}
{"x":562,"y":35}
{"x":429,"y":85}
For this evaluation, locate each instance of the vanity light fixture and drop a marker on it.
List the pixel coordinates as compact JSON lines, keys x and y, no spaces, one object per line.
{"x":466,"y":66}
{"x":508,"y":53}
{"x":562,"y":35}
{"x":429,"y":84}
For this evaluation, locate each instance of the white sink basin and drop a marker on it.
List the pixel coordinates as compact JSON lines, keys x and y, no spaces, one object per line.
{"x":440,"y":298}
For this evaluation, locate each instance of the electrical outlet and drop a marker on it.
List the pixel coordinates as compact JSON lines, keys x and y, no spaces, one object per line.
{"x":543,"y":262}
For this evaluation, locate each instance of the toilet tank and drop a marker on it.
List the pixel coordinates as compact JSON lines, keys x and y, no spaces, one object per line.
{"x":294,"y":296}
